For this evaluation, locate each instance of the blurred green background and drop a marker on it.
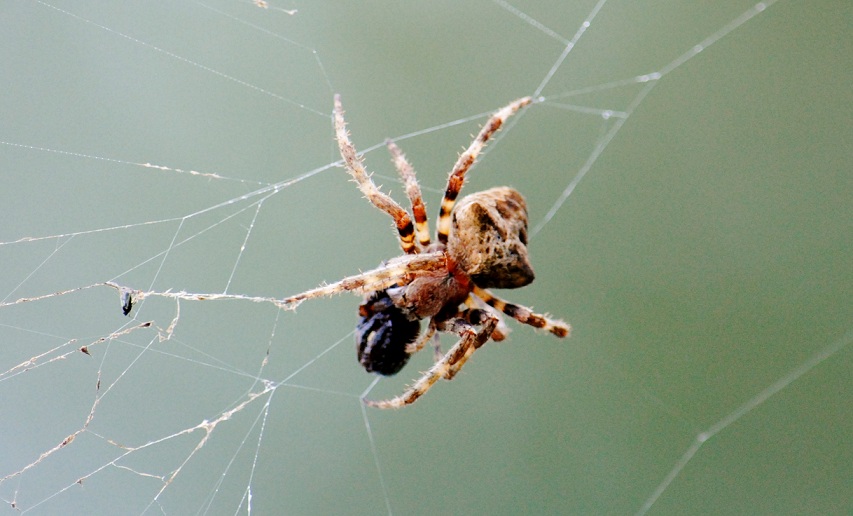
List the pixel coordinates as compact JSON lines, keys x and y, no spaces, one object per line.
{"x":704,"y":258}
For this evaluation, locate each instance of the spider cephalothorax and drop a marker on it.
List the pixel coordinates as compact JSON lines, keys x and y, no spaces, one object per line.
{"x":481,"y":243}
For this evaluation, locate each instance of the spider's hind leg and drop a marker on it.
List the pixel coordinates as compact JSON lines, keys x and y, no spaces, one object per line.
{"x":450,"y":364}
{"x":464,"y":325}
{"x":502,"y":330}
{"x":523,"y":314}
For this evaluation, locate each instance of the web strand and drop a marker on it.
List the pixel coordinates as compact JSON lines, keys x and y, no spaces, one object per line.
{"x":245,"y":396}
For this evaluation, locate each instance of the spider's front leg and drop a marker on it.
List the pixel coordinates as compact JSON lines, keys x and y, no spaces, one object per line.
{"x":393,"y":271}
{"x":452,"y":362}
{"x":402,"y":220}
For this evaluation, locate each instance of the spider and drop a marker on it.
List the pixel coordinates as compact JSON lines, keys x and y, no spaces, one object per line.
{"x":481,"y":243}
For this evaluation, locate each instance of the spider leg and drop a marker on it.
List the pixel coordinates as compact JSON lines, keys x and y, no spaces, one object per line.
{"x":436,"y":349}
{"x":523,"y":314}
{"x":394,"y":271}
{"x":502,"y":329}
{"x":448,"y":366}
{"x":384,"y":202}
{"x":460,"y":324}
{"x":413,"y":190}
{"x":466,"y":159}
{"x":419,"y":344}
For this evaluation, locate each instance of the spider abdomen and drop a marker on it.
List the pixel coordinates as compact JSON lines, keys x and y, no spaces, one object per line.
{"x":382,"y":334}
{"x":488,"y":238}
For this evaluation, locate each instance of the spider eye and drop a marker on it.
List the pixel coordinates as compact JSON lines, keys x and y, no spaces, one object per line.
{"x":522,"y":236}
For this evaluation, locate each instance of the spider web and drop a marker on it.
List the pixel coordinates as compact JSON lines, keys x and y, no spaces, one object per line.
{"x":687,"y":174}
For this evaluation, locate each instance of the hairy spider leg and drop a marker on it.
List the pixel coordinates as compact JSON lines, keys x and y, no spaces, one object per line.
{"x":502,"y":330}
{"x":395,"y":271}
{"x":523,"y":314}
{"x":414,"y":347}
{"x":384,"y":202}
{"x":431,"y":334}
{"x":459,"y":324}
{"x":466,"y":159}
{"x":413,"y":190}
{"x":448,"y":366}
